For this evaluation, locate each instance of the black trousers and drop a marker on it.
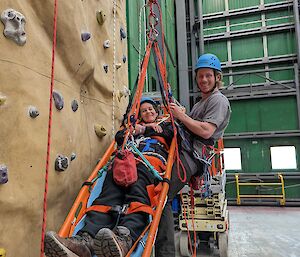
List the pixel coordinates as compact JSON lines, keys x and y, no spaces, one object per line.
{"x":112,"y":194}
{"x":165,"y":242}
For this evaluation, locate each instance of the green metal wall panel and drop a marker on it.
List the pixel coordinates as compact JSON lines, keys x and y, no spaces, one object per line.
{"x":216,"y":6}
{"x":247,"y":48}
{"x":269,"y":114}
{"x":238,"y":4}
{"x":281,"y":44}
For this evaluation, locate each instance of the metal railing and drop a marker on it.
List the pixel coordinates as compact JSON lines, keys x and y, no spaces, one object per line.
{"x":239,"y":184}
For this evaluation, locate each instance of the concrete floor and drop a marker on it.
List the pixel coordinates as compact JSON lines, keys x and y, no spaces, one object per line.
{"x":262,"y":232}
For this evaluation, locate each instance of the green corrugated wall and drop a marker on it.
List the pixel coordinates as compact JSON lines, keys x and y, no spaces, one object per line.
{"x":133,"y":21}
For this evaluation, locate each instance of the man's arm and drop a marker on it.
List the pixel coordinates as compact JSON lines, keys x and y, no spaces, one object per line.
{"x":202,"y":129}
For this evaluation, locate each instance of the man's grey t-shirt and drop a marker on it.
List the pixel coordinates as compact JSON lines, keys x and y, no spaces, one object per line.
{"x":214,"y":109}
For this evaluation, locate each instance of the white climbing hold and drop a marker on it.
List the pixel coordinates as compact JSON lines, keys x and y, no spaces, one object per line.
{"x":100,"y":130}
{"x":118,"y":65}
{"x":125,"y":92}
{"x":106,"y":44}
{"x":33,"y":112}
{"x":14,"y":26}
{"x":101,"y":17}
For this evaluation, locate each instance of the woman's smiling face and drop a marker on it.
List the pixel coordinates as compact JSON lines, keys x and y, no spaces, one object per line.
{"x":148,"y":113}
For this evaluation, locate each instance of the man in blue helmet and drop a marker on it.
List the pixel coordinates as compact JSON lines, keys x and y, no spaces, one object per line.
{"x":204,"y":126}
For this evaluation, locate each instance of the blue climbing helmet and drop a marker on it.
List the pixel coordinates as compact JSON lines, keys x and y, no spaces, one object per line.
{"x":146,"y":99}
{"x":208,"y":61}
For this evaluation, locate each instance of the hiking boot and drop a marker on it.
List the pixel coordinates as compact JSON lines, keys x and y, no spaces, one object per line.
{"x":77,"y":246}
{"x":110,"y":244}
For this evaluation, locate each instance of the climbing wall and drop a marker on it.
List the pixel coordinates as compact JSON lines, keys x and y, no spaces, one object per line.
{"x":89,"y":101}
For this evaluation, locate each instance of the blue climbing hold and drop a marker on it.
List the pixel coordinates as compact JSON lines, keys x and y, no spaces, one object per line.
{"x":85,"y":36}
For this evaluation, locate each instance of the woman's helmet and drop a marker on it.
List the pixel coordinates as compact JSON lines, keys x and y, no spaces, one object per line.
{"x":146,"y":99}
{"x":208,"y":61}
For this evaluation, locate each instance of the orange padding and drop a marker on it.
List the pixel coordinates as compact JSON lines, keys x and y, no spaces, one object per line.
{"x":156,"y":163}
{"x":162,"y":140}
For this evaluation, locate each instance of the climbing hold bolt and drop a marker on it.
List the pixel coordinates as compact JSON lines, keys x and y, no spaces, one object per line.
{"x":123,"y":33}
{"x":2,"y":252}
{"x":3,"y":174}
{"x":124,"y":58}
{"x":73,"y":156}
{"x":33,"y":112}
{"x":61,"y":163}
{"x":106,"y":44}
{"x":2,"y":101}
{"x":101,"y":17}
{"x":58,"y":100}
{"x":85,"y":36}
{"x":74,"y":105}
{"x":118,"y":65}
{"x":105,"y":67}
{"x":100,"y":130}
{"x":14,"y":26}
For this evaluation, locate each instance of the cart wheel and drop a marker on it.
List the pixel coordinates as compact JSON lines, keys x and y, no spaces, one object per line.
{"x":184,"y":244}
{"x":223,"y":244}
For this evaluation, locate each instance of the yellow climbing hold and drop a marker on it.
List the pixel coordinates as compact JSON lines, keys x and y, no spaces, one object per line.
{"x":101,"y":17}
{"x":100,"y":130}
{"x":2,"y":101}
{"x":2,"y":252}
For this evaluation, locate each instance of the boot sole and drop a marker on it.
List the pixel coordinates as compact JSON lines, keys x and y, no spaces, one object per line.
{"x":53,"y":248}
{"x":105,"y":244}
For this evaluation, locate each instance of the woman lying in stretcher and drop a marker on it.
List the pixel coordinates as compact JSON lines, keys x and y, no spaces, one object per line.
{"x":121,"y":212}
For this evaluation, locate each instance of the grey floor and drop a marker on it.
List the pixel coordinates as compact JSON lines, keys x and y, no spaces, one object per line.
{"x":262,"y":232}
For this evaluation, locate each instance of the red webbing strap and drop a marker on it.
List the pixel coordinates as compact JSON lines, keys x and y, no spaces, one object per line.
{"x":49,"y":130}
{"x":98,"y":208}
{"x":162,"y":70}
{"x":141,"y":82}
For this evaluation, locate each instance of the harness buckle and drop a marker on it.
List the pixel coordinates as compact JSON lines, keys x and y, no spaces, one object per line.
{"x":120,"y":209}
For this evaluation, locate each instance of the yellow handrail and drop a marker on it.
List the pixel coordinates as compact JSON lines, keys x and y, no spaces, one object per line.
{"x":239,"y":184}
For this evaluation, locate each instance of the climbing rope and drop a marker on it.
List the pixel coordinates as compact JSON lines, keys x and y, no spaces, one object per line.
{"x":49,"y":129}
{"x":114,"y":68}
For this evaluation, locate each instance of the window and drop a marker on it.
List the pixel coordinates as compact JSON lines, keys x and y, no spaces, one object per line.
{"x":232,"y":159}
{"x":283,"y":157}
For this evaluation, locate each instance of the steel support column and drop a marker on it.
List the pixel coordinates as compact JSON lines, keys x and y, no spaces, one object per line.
{"x":296,"y":70}
{"x":183,"y":74}
{"x":297,"y":26}
{"x":200,"y":20}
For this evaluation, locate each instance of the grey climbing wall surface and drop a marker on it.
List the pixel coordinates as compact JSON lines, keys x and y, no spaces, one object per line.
{"x":25,"y":68}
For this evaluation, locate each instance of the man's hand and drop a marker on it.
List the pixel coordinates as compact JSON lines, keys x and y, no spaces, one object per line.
{"x":178,"y":111}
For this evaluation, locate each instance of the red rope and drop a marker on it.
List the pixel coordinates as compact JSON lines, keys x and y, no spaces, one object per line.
{"x":49,"y":129}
